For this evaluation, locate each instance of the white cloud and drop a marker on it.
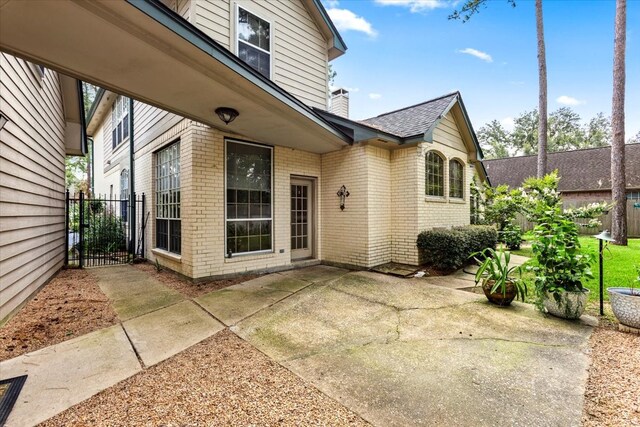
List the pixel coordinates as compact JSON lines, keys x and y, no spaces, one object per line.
{"x":569,"y":100}
{"x":415,"y":5}
{"x":345,"y":20}
{"x":375,"y":96}
{"x":332,"y":3}
{"x":477,"y":53}
{"x":508,"y":123}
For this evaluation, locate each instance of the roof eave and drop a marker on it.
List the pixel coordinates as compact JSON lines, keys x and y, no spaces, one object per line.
{"x":337,"y":45}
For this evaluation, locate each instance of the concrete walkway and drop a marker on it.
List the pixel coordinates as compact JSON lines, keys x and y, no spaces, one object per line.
{"x":403,"y":352}
{"x":397,"y":351}
{"x":157,"y":323}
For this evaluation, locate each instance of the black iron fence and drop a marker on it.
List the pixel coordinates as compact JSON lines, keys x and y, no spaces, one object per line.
{"x":104,"y":231}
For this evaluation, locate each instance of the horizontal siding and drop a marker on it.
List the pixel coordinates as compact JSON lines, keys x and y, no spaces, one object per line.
{"x":299,"y":48}
{"x":31,"y":181}
{"x":447,"y":133}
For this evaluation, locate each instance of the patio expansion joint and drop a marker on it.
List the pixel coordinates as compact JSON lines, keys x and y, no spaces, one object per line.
{"x":133,"y":347}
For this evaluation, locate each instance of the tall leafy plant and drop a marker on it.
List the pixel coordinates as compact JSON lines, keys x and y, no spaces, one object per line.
{"x":561,"y":264}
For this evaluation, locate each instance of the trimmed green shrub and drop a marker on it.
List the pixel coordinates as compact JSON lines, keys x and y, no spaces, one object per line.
{"x":451,"y":249}
{"x":511,"y":235}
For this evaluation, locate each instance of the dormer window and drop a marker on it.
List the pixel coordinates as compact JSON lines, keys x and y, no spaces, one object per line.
{"x":254,"y":41}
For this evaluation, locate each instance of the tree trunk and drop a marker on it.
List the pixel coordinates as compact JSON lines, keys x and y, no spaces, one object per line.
{"x":542,"y":96}
{"x":618,"y":190}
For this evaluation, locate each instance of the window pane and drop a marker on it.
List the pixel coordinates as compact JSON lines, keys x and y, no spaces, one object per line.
{"x":434,"y":174}
{"x":168,"y":198}
{"x":253,"y":30}
{"x":248,"y":171}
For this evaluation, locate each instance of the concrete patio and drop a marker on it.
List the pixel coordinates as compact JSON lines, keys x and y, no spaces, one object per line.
{"x":396,"y":351}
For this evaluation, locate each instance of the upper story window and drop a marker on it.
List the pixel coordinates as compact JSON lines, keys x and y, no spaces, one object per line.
{"x":456,"y":179}
{"x":254,"y":41}
{"x":434,"y":174}
{"x":119,"y":121}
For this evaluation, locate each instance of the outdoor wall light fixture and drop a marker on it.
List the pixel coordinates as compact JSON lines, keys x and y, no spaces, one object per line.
{"x":343,"y":194}
{"x":226,"y":114}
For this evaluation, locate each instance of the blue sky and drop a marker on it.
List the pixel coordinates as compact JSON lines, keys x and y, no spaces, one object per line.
{"x":402,"y":52}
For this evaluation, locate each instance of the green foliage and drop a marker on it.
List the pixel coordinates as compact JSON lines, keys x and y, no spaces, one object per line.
{"x":451,"y":249}
{"x":560,"y":265}
{"x":495,"y":140}
{"x":511,"y":235}
{"x":105,"y":234}
{"x":495,"y":267}
{"x":501,"y":205}
{"x":565,"y":132}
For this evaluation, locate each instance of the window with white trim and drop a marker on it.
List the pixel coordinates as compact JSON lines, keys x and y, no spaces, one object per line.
{"x":168,"y":224}
{"x":434,"y":174}
{"x":119,"y":121}
{"x":254,"y":41}
{"x":248,"y":198}
{"x":456,"y":179}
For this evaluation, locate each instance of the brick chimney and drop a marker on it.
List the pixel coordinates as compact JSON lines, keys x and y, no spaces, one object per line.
{"x":340,"y":103}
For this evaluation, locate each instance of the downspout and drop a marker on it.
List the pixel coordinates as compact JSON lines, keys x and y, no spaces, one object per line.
{"x":90,"y":168}
{"x":132,"y":181}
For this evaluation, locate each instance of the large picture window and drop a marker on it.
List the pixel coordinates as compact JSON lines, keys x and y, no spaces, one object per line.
{"x":456,"y":179}
{"x":168,"y":234}
{"x":248,"y":190}
{"x":434,"y":174}
{"x":119,"y":121}
{"x":254,"y":46}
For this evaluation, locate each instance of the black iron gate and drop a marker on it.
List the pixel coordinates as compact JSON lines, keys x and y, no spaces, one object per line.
{"x":100,"y":230}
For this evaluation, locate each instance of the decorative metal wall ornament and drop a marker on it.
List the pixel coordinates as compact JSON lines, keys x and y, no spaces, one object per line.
{"x":343,"y":194}
{"x":226,"y":114}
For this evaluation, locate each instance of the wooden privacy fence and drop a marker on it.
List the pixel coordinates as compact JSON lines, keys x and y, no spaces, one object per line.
{"x":633,"y":220}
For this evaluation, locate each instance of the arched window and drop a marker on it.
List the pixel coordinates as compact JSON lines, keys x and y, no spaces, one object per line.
{"x":456,"y":179}
{"x":434,"y":174}
{"x":124,"y":194}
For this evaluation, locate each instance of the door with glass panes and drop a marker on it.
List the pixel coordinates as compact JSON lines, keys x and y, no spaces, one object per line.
{"x":302,"y":227}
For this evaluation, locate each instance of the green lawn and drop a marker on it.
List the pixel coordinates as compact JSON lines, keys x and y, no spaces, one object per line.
{"x":618,"y":264}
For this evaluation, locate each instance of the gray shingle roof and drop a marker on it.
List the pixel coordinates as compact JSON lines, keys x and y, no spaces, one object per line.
{"x":413,"y":120}
{"x":579,"y":170}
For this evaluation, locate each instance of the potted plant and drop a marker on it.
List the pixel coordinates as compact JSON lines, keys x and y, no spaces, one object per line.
{"x":560,"y":264}
{"x":495,"y":275}
{"x":625,"y":303}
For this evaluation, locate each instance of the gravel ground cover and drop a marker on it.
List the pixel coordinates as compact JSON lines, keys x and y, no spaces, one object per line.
{"x":218,"y":382}
{"x":612,"y":397}
{"x":70,"y":305}
{"x":186,"y":287}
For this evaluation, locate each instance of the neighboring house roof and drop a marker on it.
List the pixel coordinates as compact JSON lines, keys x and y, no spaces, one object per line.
{"x":579,"y":170}
{"x":416,"y":119}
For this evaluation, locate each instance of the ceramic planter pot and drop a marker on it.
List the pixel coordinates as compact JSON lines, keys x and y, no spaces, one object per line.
{"x":570,"y":306}
{"x":498,"y":297}
{"x":625,"y":303}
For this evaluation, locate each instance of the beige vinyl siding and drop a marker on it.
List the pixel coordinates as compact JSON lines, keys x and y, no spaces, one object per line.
{"x":31,"y":181}
{"x":299,"y":50}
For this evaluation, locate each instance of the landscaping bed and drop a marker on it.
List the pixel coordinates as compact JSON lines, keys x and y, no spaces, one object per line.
{"x":70,"y":305}
{"x":186,"y":287}
{"x":611,"y":396}
{"x":220,"y":381}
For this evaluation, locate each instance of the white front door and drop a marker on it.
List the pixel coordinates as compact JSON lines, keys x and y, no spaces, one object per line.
{"x":302,"y":226}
